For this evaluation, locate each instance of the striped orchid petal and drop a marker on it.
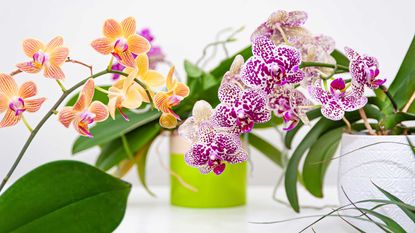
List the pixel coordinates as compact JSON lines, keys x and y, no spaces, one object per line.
{"x":100,"y":111}
{"x":33,"y":105}
{"x":58,"y":56}
{"x":31,"y":46}
{"x":112,"y":29}
{"x":8,"y":86}
{"x":10,"y":119}
{"x":103,"y":45}
{"x":128,"y":26}
{"x":27,"y":89}
{"x":54,"y":43}
{"x":28,"y":67}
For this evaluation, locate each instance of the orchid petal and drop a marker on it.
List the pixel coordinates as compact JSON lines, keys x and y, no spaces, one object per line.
{"x":142,"y":64}
{"x":160,"y":102}
{"x":4,"y":103}
{"x":81,"y":128}
{"x":264,"y":48}
{"x":128,"y":26}
{"x":229,"y":93}
{"x":350,"y":53}
{"x":332,"y":110}
{"x":138,"y":44}
{"x":197,"y":155}
{"x":27,"y":89}
{"x":10,"y":119}
{"x":153,"y":79}
{"x":88,"y":91}
{"x":8,"y":86}
{"x":168,"y":121}
{"x":28,"y":67}
{"x":133,"y":99}
{"x":103,"y":45}
{"x":100,"y":111}
{"x":238,"y":157}
{"x":289,"y":56}
{"x":34,"y":105}
{"x":58,"y":56}
{"x":254,"y":73}
{"x":112,"y":29}
{"x":53,"y":71}
{"x":202,"y":111}
{"x":181,"y":90}
{"x":54,"y":43}
{"x":224,"y":116}
{"x":112,"y":105}
{"x":32,"y":46}
{"x":127,"y":59}
{"x":296,"y":77}
{"x":170,"y":80}
{"x":66,"y":116}
{"x":80,"y":103}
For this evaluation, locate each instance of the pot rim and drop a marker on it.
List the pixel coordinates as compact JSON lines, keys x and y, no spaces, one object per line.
{"x":377,"y":136}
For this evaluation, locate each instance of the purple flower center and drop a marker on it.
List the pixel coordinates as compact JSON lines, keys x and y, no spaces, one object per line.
{"x":40,"y":58}
{"x":17,"y":105}
{"x":121,"y":45}
{"x":338,"y":84}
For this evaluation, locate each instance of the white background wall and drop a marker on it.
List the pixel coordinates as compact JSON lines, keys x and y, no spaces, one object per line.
{"x":380,"y":28}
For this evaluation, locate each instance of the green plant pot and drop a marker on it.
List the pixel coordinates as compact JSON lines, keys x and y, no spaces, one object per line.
{"x":213,"y":191}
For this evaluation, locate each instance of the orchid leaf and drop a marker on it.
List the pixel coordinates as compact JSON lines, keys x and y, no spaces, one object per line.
{"x":266,"y":149}
{"x":192,"y":70}
{"x":289,"y":137}
{"x":403,"y":86}
{"x":111,"y":129}
{"x":64,"y":197}
{"x":393,"y":119}
{"x":113,"y":152}
{"x":390,"y":223}
{"x":340,"y":58}
{"x":409,"y":212}
{"x":318,"y":159}
{"x":141,"y":159}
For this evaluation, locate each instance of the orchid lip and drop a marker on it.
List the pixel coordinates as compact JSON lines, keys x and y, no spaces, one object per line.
{"x":17,"y":106}
{"x":123,"y":114}
{"x":121,"y":45}
{"x":40,"y":58}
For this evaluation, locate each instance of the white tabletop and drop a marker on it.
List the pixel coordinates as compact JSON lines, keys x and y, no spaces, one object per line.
{"x":146,"y":214}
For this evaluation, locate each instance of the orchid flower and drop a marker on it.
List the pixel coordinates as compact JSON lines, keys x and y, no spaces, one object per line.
{"x":121,"y":40}
{"x":14,"y":100}
{"x":291,"y":105}
{"x":338,"y":100}
{"x":176,"y":92}
{"x":241,"y":109}
{"x":271,"y":66}
{"x":84,"y":112}
{"x":364,"y":69}
{"x":49,"y":57}
{"x":214,"y":147}
{"x":201,"y":112}
{"x":125,"y":93}
{"x":283,"y":25}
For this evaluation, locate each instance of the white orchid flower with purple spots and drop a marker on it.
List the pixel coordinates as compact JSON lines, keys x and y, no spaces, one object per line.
{"x":291,"y":105}
{"x":241,"y":109}
{"x":283,"y":24}
{"x":338,"y":99}
{"x":271,"y":66}
{"x":364,"y":69}
{"x":202,"y":111}
{"x":213,"y":148}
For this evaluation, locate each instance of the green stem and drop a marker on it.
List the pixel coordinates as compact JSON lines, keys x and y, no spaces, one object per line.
{"x":42,"y":122}
{"x":61,"y":85}
{"x":319,"y":64}
{"x":109,"y":67}
{"x":26,"y":124}
{"x":101,"y":89}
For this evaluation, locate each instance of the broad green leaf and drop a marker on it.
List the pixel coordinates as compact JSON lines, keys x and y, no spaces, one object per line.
{"x":97,"y":96}
{"x":64,"y":197}
{"x":113,"y":152}
{"x":403,"y":86}
{"x":192,"y":70}
{"x":409,"y":212}
{"x":340,"y":58}
{"x":393,"y":119}
{"x":209,"y":80}
{"x":266,"y":149}
{"x":141,"y":159}
{"x":318,"y":159}
{"x":389,"y":222}
{"x":110,"y":129}
{"x":289,"y":137}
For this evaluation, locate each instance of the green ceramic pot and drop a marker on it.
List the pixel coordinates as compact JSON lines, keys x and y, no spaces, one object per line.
{"x":213,"y":191}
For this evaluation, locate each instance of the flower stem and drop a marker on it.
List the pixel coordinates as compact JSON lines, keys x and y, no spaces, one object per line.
{"x":80,"y":63}
{"x":366,"y":122}
{"x":109,"y":67}
{"x":409,"y":103}
{"x":348,"y":125}
{"x":101,"y":89}
{"x":319,"y":64}
{"x":42,"y":122}
{"x":26,"y":124}
{"x":61,"y":85}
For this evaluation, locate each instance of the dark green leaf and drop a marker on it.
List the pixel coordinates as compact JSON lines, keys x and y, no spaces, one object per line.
{"x":64,"y":197}
{"x":113,"y":152}
{"x":266,"y":149}
{"x":340,"y":58}
{"x":318,"y":159}
{"x":110,"y":129}
{"x":192,"y":70}
{"x":313,"y":114}
{"x":409,"y":212}
{"x":390,"y":223}
{"x":97,"y":96}
{"x":403,"y":86}
{"x":393,"y":119}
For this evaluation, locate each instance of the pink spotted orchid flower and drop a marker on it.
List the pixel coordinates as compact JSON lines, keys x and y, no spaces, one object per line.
{"x":271,"y":66}
{"x":15,"y":101}
{"x":338,"y":99}
{"x":364,"y":69}
{"x":121,"y":40}
{"x":84,"y":112}
{"x":49,"y":57}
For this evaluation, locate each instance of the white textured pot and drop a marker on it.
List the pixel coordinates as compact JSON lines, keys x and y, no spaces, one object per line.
{"x":387,"y":161}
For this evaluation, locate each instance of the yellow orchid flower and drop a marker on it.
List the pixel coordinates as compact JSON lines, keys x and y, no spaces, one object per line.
{"x":14,"y":101}
{"x":165,"y":100}
{"x":121,"y":40}
{"x":85,"y":111}
{"x":49,"y":57}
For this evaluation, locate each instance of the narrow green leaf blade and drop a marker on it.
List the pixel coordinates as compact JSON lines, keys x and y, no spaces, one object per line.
{"x":64,"y":197}
{"x":141,"y":166}
{"x":318,"y":159}
{"x":266,"y":149}
{"x":111,"y":129}
{"x":389,"y":222}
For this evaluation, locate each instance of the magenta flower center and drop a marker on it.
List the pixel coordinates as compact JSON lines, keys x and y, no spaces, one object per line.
{"x":17,"y":105}
{"x":87,"y":118}
{"x":121,"y":45}
{"x":40,"y":58}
